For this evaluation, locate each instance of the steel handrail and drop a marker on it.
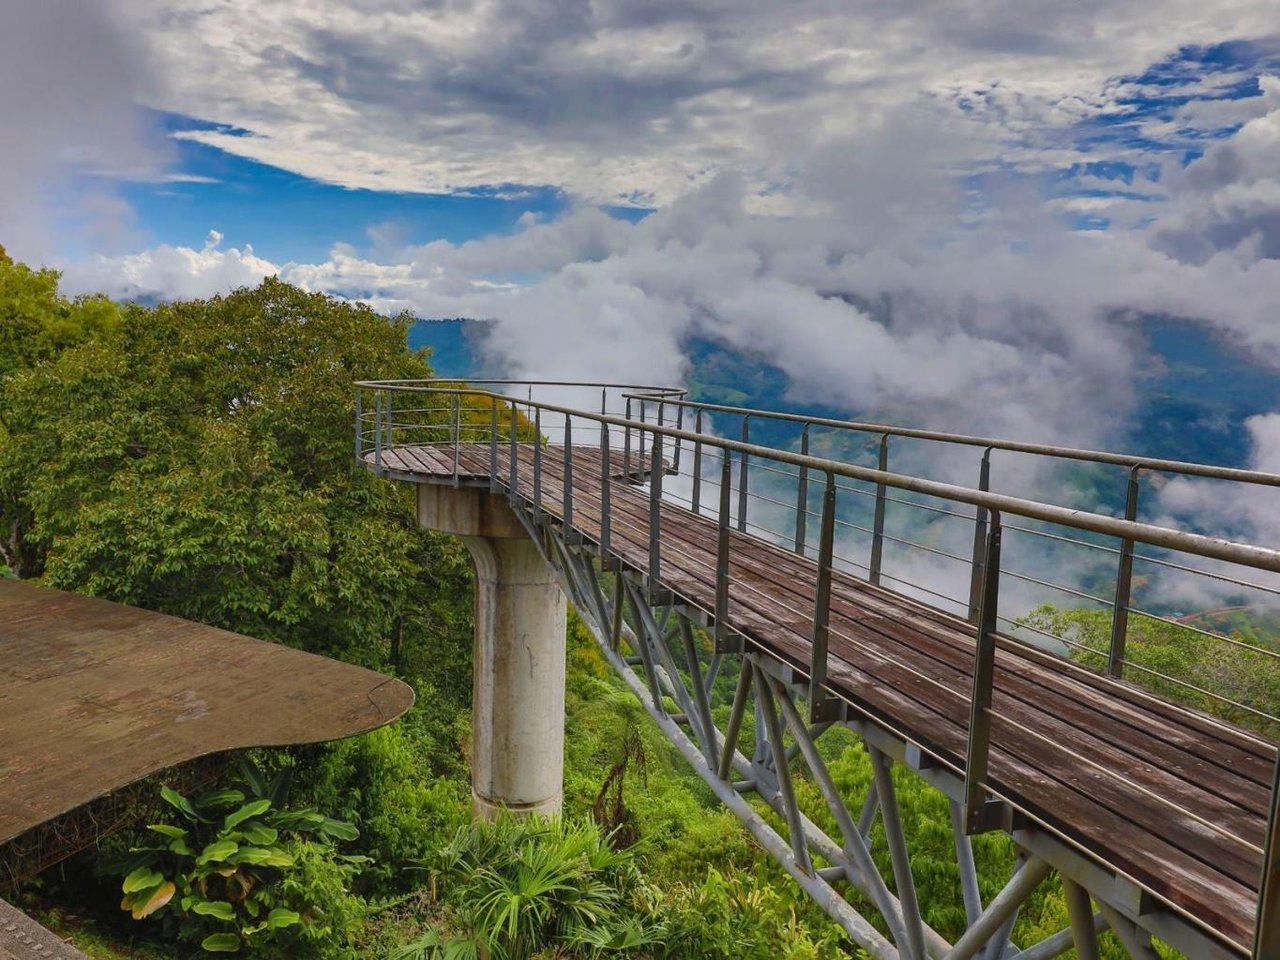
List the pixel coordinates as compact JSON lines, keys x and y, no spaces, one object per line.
{"x":1157,"y":464}
{"x":1217,"y":548}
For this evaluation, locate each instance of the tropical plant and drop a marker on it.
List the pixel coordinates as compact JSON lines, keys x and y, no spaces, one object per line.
{"x":220,"y":873}
{"x":523,"y":886}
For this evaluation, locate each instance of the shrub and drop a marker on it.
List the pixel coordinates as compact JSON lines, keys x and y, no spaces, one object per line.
{"x":518,"y":887}
{"x":239,"y":869}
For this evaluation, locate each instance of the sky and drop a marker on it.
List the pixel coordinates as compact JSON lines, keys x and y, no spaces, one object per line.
{"x":954,"y":210}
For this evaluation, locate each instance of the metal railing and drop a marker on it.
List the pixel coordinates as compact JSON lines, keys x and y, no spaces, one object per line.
{"x":640,"y":432}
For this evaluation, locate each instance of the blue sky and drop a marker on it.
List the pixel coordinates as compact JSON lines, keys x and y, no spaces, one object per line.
{"x":949,"y":208}
{"x":288,"y":217}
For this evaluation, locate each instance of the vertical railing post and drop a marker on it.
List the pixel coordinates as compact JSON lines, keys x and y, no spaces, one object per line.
{"x":877,"y":524}
{"x":655,"y":516}
{"x":626,"y":446}
{"x":722,"y":556}
{"x":696,"y":496}
{"x":537,"y":465}
{"x":802,"y":495}
{"x":567,"y":509}
{"x":457,"y":433}
{"x":822,"y":604}
{"x":979,"y":539}
{"x":984,"y":663}
{"x":675,"y":459}
{"x":359,"y":422}
{"x":377,"y":429}
{"x":511,"y":467}
{"x":391,"y":423}
{"x":742,"y":476}
{"x":1266,"y":938}
{"x":1124,"y":582}
{"x":606,"y":496}
{"x":493,"y":444}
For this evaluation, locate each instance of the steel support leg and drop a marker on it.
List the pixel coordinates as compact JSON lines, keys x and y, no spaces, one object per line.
{"x":1024,"y":881}
{"x":881,"y":768}
{"x":1080,"y":910}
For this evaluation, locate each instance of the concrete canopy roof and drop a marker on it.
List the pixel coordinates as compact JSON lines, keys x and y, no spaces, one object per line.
{"x":95,"y":695}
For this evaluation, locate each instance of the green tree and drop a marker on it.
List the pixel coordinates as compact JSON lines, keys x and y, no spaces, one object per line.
{"x":196,"y":458}
{"x":1177,"y":662}
{"x":36,"y":325}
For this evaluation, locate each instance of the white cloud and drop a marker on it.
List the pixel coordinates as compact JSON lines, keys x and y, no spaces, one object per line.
{"x":1013,"y":325}
{"x":618,"y":101}
{"x":69,"y":79}
{"x":167,"y":272}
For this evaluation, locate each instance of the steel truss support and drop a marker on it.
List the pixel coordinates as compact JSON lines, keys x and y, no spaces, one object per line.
{"x":654,"y":643}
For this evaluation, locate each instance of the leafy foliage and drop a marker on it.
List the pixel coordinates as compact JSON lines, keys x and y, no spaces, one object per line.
{"x":195,"y":458}
{"x":1182,"y":660}
{"x":226,"y":873}
{"x":523,"y":886}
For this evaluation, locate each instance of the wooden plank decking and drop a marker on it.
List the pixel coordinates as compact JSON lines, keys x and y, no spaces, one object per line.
{"x":1172,"y":798}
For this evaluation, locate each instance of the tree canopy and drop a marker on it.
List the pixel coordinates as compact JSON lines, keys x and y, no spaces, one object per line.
{"x":196,"y":458}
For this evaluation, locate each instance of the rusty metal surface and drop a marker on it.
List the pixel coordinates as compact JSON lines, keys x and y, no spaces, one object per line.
{"x":95,"y":695}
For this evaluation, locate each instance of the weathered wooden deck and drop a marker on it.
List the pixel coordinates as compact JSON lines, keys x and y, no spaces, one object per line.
{"x":1173,"y":799}
{"x":95,"y":695}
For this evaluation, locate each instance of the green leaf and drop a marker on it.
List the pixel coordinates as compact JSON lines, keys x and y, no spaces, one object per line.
{"x":180,"y":847}
{"x":338,"y":829}
{"x":221,"y":943}
{"x":257,"y":833}
{"x":215,"y":908}
{"x":180,"y":803}
{"x":167,"y":830}
{"x":253,"y":776}
{"x":280,"y":917}
{"x":250,"y":809}
{"x":217,"y":852}
{"x":142,"y":878}
{"x":145,"y":904}
{"x":263,"y":857}
{"x":219,"y":798}
{"x":278,"y":793}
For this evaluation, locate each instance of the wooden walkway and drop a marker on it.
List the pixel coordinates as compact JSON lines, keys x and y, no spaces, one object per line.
{"x":1172,"y":798}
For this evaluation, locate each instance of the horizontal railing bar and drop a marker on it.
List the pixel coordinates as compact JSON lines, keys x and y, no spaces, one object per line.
{"x":1013,"y":446}
{"x":1053,"y":536}
{"x":930,"y":507}
{"x":1027,"y":578}
{"x":1208,"y":633}
{"x":937,"y":551}
{"x":1199,"y":544}
{"x":1261,"y":714}
{"x":1249,"y":584}
{"x":932,"y":593}
{"x":1102,"y":654}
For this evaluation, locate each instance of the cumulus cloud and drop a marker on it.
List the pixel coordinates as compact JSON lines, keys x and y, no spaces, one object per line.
{"x":624,"y":102}
{"x":1229,"y":199}
{"x":166,"y":272}
{"x":886,"y":297}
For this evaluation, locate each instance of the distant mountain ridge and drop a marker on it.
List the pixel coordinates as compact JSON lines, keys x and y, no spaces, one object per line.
{"x":1191,"y":403}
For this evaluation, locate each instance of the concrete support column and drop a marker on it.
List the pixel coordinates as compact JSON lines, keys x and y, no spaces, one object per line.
{"x":517,"y":757}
